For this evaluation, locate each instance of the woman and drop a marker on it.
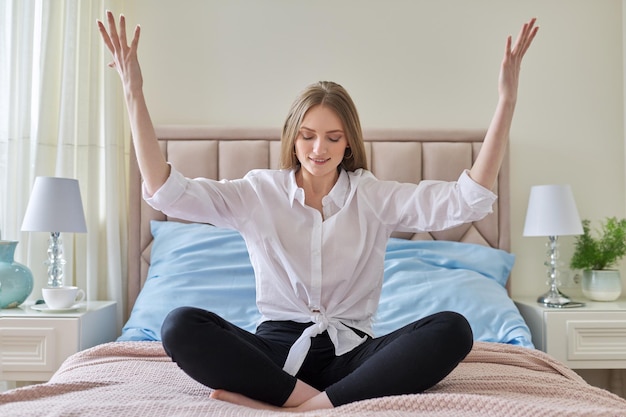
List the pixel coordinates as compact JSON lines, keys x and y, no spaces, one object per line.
{"x":316,"y":231}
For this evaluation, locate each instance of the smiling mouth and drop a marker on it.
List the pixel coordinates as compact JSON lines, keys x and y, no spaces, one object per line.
{"x":319,"y":160}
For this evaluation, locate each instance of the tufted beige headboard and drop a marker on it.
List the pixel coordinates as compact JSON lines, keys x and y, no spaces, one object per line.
{"x":402,"y":155}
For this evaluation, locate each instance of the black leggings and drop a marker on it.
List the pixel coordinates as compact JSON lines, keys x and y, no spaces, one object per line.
{"x":220,"y":355}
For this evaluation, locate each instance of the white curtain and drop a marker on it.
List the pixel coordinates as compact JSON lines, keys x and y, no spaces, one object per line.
{"x":62,"y":114}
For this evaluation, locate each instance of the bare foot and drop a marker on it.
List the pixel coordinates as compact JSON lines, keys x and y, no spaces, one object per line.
{"x":239,"y":399}
{"x":320,"y":401}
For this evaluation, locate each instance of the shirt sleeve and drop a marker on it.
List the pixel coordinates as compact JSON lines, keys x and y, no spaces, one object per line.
{"x":476,"y":195}
{"x":200,"y":200}
{"x":170,"y":191}
{"x":430,"y":205}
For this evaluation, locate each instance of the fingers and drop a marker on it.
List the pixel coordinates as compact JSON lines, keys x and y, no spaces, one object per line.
{"x":123,"y":30}
{"x":135,"y":40}
{"x":116,"y":43}
{"x":115,"y":40}
{"x":513,"y":54}
{"x":105,"y":36}
{"x":533,"y":33}
{"x":525,"y":37}
{"x":119,"y":41}
{"x":507,"y":46}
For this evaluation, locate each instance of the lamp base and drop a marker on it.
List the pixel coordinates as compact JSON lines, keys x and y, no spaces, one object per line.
{"x":55,"y":260}
{"x":556,"y":299}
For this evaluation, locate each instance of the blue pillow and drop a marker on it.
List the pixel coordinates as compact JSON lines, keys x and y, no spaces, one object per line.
{"x":204,"y":266}
{"x":194,"y":265}
{"x":425,"y":277}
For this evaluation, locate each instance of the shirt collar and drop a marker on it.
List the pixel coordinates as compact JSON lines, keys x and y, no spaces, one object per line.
{"x":295,"y":193}
{"x":338,"y":194}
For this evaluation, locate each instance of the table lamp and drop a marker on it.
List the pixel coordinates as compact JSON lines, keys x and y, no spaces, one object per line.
{"x":552,"y":213}
{"x":55,"y":206}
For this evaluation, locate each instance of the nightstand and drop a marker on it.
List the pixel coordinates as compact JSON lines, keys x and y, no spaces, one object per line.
{"x":33,"y":344}
{"x":589,"y":337}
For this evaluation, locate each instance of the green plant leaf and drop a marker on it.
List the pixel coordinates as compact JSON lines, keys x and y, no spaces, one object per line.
{"x":600,"y":250}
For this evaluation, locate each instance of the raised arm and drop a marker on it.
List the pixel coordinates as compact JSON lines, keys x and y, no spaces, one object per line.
{"x":485,"y":169}
{"x":154,"y":169}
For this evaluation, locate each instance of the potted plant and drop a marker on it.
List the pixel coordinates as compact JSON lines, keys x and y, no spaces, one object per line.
{"x":597,"y":254}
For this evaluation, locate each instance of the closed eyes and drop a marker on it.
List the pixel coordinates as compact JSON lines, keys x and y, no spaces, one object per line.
{"x":332,"y":139}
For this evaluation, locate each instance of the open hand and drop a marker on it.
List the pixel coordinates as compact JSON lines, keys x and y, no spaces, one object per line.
{"x":511,"y":64}
{"x":124,"y":56}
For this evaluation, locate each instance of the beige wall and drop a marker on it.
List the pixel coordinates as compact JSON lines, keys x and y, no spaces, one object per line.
{"x":413,"y":63}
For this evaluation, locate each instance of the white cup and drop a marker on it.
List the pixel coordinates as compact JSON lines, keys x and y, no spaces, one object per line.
{"x":62,"y":297}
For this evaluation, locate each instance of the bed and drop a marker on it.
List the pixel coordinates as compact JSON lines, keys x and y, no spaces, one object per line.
{"x":172,"y":263}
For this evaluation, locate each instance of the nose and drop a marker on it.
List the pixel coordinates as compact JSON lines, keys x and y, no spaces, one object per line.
{"x":319,"y":147}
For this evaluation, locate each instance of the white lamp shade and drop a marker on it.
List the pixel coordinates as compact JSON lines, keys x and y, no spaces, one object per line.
{"x":55,"y":206}
{"x":552,"y":212}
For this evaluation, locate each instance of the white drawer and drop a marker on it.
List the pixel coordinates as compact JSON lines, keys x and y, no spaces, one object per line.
{"x":590,"y":340}
{"x":33,"y":349}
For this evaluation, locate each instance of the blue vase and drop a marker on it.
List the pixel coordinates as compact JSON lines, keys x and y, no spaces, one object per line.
{"x":16,"y":280}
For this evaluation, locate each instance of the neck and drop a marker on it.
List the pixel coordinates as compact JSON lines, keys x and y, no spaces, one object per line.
{"x":311,"y":184}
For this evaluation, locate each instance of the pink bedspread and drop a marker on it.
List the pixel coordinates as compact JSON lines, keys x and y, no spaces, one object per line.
{"x":138,"y":379}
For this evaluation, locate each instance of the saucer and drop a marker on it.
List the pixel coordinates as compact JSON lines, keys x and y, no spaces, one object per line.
{"x":46,"y":309}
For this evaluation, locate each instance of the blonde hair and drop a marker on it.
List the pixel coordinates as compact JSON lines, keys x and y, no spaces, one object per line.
{"x":336,"y":98}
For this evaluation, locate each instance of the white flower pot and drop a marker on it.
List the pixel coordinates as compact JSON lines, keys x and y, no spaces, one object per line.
{"x":604,"y":285}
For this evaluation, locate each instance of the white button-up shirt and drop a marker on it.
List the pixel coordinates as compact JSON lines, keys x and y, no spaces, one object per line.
{"x":328,"y":269}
